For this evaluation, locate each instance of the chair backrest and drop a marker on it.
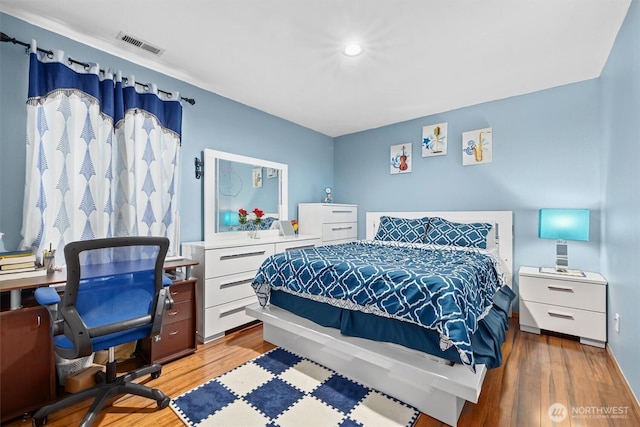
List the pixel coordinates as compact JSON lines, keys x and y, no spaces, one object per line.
{"x":112,"y":293}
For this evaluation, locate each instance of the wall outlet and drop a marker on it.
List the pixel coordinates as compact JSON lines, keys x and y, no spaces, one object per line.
{"x":616,"y":320}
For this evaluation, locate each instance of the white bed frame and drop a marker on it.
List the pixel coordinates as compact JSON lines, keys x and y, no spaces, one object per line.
{"x":433,"y":387}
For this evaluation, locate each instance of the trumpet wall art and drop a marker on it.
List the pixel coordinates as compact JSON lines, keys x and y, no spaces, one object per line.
{"x":434,"y":140}
{"x":400,"y":158}
{"x":477,"y":147}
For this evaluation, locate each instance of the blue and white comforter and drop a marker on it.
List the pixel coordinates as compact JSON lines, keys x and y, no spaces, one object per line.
{"x":444,"y":288}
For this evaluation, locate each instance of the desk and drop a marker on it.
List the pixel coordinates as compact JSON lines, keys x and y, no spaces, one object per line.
{"x":16,"y":286}
{"x":27,"y":356}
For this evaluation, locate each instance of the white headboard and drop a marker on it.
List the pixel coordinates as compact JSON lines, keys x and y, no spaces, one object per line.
{"x":502,"y":220}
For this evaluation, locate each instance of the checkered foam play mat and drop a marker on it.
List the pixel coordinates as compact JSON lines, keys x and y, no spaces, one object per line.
{"x":283,"y":389}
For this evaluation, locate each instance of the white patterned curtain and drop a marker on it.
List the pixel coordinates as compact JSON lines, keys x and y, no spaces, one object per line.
{"x":102,"y":157}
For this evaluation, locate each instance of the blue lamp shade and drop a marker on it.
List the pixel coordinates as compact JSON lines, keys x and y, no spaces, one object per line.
{"x":564,"y":224}
{"x":230,"y":218}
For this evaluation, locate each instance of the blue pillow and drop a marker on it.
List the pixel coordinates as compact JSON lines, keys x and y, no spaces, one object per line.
{"x":402,"y":229}
{"x":443,"y":232}
{"x":265,"y":224}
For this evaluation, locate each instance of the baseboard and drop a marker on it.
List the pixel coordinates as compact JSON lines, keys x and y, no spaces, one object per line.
{"x":615,"y":362}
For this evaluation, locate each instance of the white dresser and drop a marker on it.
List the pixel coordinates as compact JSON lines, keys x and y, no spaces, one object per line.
{"x":333,"y":222}
{"x":225,"y":271}
{"x":567,"y":304}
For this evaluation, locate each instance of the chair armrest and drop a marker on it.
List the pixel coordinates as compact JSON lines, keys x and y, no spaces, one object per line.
{"x":46,"y":296}
{"x":164,"y":302}
{"x":49,"y":298}
{"x":166,"y":280}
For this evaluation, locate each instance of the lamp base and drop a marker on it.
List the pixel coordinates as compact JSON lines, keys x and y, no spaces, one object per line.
{"x":563,"y":272}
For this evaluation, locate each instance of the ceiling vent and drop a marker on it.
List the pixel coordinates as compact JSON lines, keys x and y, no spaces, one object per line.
{"x":139,"y":43}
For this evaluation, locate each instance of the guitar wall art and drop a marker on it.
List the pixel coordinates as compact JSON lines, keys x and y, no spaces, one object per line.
{"x":401,"y":158}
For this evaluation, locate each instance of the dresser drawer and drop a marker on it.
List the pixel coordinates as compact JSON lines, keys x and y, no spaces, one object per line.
{"x":334,"y":214}
{"x":339,"y":231}
{"x":181,"y":292}
{"x":175,"y":337}
{"x":180,"y":311}
{"x":223,"y":317}
{"x":220,"y":290}
{"x":567,"y":320}
{"x":221,"y":262}
{"x":567,"y":293}
{"x":296,"y":244}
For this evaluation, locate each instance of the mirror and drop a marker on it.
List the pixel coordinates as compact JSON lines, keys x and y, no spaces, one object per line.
{"x":233,"y":182}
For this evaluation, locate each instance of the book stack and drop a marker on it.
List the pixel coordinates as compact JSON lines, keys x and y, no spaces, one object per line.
{"x":15,"y":264}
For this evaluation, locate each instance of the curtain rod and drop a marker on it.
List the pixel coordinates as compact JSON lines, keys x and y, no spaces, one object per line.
{"x":6,"y":38}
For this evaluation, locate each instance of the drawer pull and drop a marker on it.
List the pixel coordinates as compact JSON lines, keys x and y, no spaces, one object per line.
{"x":300,"y":247}
{"x":242,"y":255}
{"x":559,"y":288}
{"x":341,"y":211}
{"x":561,"y":315}
{"x":232,"y":311}
{"x":236,"y":283}
{"x":173,"y":333}
{"x":341,"y":228}
{"x":172,"y":313}
{"x":174,"y":293}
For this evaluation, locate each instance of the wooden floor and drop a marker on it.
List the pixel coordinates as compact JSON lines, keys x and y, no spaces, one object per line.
{"x":537,"y":371}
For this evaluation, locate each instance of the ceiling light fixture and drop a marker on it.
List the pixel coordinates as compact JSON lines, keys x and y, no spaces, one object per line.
{"x":352,"y":49}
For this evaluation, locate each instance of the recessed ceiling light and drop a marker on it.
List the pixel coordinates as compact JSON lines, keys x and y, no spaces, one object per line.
{"x":352,"y":49}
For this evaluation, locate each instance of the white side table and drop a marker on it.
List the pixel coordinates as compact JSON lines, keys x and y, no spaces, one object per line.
{"x":566,"y":304}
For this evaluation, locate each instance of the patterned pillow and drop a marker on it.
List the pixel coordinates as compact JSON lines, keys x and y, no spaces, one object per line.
{"x":402,"y":229}
{"x":443,"y":232}
{"x":265,"y":224}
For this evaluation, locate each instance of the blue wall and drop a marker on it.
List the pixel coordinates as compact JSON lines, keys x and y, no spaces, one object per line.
{"x":213,"y":122}
{"x":546,"y":153}
{"x":620,"y":82}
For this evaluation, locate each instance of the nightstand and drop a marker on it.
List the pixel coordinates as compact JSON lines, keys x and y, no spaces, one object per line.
{"x":570,"y":305}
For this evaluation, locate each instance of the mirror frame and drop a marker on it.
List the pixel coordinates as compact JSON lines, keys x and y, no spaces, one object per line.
{"x":210,"y":199}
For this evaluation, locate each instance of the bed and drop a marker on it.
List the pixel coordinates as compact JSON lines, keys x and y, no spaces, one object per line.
{"x":437,"y":377}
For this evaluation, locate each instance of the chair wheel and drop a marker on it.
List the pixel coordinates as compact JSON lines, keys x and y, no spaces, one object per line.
{"x":35,"y":422}
{"x":163,"y":403}
{"x":155,"y":375}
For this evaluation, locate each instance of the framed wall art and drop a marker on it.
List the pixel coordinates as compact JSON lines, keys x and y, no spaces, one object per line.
{"x":257,"y":177}
{"x":434,"y":140}
{"x":477,"y":147}
{"x":400,"y":160}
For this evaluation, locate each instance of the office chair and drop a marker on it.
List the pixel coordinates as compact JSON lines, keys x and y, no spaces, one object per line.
{"x":115,"y":293}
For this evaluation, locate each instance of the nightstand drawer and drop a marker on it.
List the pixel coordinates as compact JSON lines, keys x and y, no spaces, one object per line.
{"x":584,"y":296}
{"x":339,"y":231}
{"x":583,"y":323}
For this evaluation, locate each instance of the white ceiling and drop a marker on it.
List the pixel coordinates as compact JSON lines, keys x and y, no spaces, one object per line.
{"x":283,"y":57}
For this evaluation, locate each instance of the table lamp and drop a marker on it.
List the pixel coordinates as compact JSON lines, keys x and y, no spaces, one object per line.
{"x":563,"y":225}
{"x":230,"y":218}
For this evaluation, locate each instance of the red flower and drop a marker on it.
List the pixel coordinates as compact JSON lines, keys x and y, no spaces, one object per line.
{"x":242,"y":215}
{"x":258,"y":213}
